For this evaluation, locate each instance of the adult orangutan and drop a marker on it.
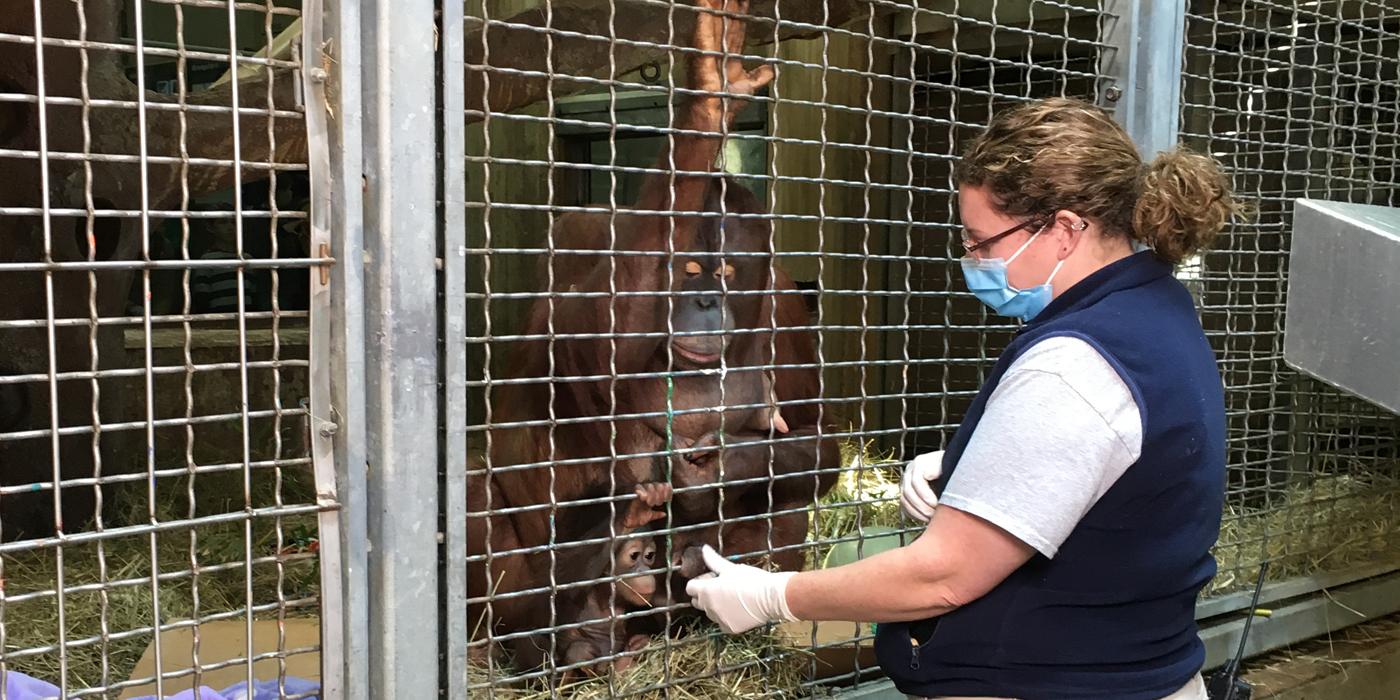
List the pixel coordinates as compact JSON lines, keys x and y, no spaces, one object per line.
{"x":705,"y":331}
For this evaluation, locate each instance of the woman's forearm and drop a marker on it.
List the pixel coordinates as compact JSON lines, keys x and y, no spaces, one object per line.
{"x":894,"y":586}
{"x":954,"y":562}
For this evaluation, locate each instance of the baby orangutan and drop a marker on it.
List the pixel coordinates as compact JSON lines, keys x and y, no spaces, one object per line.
{"x":632,"y":589}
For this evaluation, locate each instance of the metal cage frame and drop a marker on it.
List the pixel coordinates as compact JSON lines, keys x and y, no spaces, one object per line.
{"x":409,"y":300}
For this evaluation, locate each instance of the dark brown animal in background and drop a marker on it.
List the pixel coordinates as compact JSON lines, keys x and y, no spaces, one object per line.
{"x":716,"y":302}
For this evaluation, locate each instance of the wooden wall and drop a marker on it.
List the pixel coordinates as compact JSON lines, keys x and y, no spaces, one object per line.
{"x":822,"y":105}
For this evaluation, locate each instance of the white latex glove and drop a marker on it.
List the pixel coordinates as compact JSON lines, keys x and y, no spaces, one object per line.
{"x":916,"y":494}
{"x":740,"y":597}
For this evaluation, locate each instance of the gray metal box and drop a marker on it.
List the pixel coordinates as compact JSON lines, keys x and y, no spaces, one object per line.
{"x":1343,"y":315}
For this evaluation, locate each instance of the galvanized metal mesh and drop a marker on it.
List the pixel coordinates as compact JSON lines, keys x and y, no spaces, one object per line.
{"x":849,"y":156}
{"x":955,"y":339}
{"x":1296,"y":100}
{"x":156,"y":496}
{"x":156,"y":351}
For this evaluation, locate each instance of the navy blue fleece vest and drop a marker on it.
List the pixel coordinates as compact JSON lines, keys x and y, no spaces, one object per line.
{"x":1112,"y":615}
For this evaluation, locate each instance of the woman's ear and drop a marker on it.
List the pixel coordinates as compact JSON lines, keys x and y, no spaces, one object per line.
{"x":1071,"y":227}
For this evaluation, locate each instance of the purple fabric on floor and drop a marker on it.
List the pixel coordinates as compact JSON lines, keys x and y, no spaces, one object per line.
{"x":19,"y":686}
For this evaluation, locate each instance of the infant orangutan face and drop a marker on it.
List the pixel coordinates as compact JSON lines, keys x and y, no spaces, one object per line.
{"x":635,"y":558}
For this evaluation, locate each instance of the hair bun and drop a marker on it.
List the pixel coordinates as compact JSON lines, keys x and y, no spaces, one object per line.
{"x":1184,"y":202}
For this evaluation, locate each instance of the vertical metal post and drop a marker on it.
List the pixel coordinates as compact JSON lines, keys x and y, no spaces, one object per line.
{"x":1145,"y":59}
{"x":402,"y":361}
{"x":331,"y":76}
{"x":454,"y":345}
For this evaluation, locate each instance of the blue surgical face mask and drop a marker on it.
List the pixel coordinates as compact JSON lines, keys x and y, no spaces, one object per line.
{"x":986,"y":278}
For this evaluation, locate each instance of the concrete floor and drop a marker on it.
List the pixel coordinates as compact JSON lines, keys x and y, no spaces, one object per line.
{"x":1360,"y":663}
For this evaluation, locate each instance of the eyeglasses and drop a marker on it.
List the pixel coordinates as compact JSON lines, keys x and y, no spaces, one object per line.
{"x":974,"y":247}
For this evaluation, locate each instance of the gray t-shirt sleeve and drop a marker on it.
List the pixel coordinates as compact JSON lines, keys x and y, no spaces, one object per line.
{"x":1057,"y":432}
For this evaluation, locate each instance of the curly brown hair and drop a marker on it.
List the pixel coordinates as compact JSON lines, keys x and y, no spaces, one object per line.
{"x":1064,"y":153}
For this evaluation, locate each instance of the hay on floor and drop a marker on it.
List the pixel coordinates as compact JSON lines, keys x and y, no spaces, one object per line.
{"x":111,"y":594}
{"x":757,"y":664}
{"x":1323,"y":524}
{"x":865,"y":498}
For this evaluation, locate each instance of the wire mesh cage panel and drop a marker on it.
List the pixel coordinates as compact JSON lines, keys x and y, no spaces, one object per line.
{"x":156,"y":503}
{"x":1297,"y":100}
{"x":680,"y":271}
{"x":1054,"y":50}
